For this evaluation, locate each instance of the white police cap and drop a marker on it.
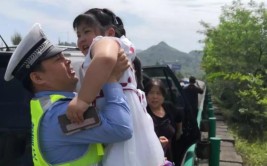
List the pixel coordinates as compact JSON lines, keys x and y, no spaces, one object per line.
{"x":33,"y":48}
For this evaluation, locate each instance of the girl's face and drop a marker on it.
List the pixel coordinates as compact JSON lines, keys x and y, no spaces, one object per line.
{"x":85,"y":36}
{"x":155,"y":98}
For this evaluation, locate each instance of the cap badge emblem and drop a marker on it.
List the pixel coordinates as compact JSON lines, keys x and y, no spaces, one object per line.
{"x":28,"y":66}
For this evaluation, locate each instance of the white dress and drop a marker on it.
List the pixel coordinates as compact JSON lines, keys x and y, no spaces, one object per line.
{"x":144,"y":148}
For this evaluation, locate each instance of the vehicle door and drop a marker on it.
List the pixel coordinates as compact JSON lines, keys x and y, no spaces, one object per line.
{"x":15,"y":122}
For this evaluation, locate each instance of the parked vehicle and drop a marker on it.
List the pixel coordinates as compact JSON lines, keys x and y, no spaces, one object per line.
{"x":15,"y":123}
{"x":15,"y":120}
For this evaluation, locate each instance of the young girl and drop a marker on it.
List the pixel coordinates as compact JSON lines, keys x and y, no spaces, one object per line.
{"x":144,"y":148}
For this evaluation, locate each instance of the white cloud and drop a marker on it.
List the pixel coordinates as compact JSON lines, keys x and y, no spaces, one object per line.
{"x":147,"y":21}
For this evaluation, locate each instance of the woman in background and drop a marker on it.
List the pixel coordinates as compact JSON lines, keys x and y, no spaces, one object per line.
{"x":167,"y":119}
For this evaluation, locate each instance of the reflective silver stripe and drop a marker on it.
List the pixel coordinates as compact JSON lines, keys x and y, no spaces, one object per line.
{"x":45,"y":102}
{"x":38,"y":52}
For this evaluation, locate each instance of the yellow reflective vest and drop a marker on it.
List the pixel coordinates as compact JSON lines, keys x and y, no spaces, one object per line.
{"x":38,"y":107}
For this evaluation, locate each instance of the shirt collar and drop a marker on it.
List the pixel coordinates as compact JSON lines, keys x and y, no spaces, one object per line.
{"x":47,"y":93}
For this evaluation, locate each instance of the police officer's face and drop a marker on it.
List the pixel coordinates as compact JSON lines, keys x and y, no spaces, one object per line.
{"x":57,"y":74}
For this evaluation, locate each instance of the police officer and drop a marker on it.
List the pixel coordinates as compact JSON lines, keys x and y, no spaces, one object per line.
{"x":43,"y":70}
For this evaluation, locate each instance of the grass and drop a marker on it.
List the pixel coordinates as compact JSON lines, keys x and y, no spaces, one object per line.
{"x":254,"y":153}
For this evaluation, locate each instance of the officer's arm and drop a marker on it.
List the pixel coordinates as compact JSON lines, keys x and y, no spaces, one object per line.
{"x":116,"y":123}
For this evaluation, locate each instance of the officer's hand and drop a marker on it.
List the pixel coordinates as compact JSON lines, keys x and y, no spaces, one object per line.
{"x":197,"y":83}
{"x":122,"y":64}
{"x":76,"y":109}
{"x":164,"y":141}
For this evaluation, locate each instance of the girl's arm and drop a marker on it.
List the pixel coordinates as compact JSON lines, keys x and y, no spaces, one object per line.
{"x":104,"y":57}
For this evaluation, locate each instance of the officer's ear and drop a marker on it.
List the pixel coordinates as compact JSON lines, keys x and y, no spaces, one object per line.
{"x":36,"y":78}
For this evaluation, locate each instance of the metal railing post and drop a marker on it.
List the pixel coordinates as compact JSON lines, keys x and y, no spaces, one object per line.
{"x":211,"y":112}
{"x":215,"y":144}
{"x":212,"y":127}
{"x":209,"y":104}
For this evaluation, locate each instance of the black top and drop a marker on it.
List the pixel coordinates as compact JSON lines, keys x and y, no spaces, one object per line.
{"x":191,"y":92}
{"x":166,"y":126}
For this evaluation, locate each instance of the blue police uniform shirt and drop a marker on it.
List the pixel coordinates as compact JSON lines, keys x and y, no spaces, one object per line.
{"x":116,"y":125}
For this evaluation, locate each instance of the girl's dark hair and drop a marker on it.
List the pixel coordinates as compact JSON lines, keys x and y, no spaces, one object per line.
{"x":90,"y":20}
{"x":138,"y":73}
{"x":155,"y":82}
{"x":106,"y":19}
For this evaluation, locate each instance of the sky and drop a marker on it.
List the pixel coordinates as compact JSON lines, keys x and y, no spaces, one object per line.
{"x":147,"y":22}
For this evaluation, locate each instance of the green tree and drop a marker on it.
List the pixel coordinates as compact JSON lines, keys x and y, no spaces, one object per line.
{"x":16,"y":38}
{"x":235,"y":61}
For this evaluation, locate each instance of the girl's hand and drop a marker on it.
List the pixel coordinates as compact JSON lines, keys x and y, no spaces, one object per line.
{"x":76,"y":109}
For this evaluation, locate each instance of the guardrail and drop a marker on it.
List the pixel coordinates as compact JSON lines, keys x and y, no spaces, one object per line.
{"x":206,"y":111}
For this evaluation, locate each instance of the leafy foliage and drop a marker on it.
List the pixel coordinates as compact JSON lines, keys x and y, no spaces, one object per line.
{"x":235,"y":58}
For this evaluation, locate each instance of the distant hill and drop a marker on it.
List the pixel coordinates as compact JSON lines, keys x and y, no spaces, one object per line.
{"x":138,"y":50}
{"x":162,"y":53}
